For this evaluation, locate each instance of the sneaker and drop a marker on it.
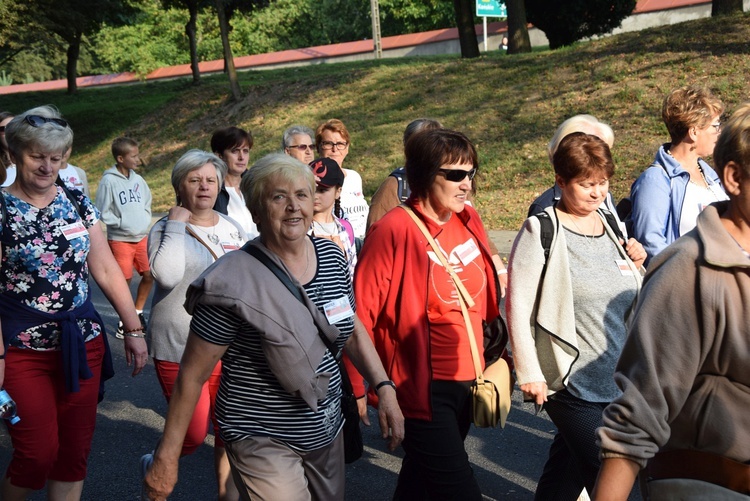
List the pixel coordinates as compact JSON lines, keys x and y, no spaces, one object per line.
{"x":145,"y":464}
{"x":120,"y":334}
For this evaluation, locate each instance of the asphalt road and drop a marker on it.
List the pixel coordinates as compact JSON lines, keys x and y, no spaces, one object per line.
{"x":507,"y":462}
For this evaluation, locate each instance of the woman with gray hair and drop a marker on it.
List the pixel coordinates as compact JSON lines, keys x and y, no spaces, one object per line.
{"x":298,"y":142}
{"x":180,"y":247}
{"x":279,"y":400}
{"x":55,"y":353}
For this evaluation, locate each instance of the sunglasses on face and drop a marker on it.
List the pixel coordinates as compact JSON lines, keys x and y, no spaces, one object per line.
{"x":38,"y":121}
{"x":302,"y":147}
{"x":458,"y":175}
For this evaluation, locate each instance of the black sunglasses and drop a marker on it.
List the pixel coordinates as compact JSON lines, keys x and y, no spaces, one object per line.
{"x":458,"y":175}
{"x":38,"y":121}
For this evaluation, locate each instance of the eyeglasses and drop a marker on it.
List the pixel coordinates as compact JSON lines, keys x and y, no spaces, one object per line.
{"x":37,"y":121}
{"x":717,"y":126}
{"x":458,"y":175}
{"x":328,"y":145}
{"x":302,"y":147}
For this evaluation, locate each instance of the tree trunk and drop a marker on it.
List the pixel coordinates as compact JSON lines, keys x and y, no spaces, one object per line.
{"x":518,"y":30}
{"x":722,"y":7}
{"x":71,"y":71}
{"x":234,"y":83}
{"x":467,"y":36}
{"x":190,"y":31}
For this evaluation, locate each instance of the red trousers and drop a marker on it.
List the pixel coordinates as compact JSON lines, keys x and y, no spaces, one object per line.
{"x":204,"y":412}
{"x":53,"y":438}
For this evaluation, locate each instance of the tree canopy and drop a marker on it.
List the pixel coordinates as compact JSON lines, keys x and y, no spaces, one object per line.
{"x":570,"y":21}
{"x":143,"y":35}
{"x":61,"y":23}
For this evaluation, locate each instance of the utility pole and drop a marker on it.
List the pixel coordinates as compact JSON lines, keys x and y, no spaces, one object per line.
{"x":375,"y":15}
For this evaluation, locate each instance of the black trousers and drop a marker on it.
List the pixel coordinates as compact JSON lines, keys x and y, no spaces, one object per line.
{"x":436,"y":465}
{"x":573,"y":461}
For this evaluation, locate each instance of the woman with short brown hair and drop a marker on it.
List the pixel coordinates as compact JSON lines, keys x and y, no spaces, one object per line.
{"x":670,"y":194}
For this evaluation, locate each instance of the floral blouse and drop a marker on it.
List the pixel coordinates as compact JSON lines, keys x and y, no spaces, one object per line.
{"x":44,"y":268}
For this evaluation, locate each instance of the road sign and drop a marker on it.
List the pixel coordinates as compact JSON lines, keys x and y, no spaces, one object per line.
{"x":491,"y":8}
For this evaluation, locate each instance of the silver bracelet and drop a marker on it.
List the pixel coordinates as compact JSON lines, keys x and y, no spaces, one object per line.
{"x":133,"y":334}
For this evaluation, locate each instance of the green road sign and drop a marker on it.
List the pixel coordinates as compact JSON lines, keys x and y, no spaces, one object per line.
{"x":491,"y":8}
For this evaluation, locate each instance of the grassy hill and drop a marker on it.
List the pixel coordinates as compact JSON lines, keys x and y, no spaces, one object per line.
{"x":508,"y":105}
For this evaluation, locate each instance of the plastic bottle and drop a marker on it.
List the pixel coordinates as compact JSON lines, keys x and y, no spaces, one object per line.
{"x":8,"y":408}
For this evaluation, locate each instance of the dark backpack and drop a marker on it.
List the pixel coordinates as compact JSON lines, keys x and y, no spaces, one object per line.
{"x":403,"y":186}
{"x":548,"y":229}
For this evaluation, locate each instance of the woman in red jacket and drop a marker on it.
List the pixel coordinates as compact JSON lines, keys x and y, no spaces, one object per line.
{"x":408,"y":303}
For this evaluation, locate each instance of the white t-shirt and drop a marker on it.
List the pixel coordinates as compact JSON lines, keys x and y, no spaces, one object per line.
{"x":222,"y":238}
{"x":353,"y":202}
{"x":73,"y":179}
{"x":237,"y":210}
{"x":698,"y":198}
{"x":10,"y":175}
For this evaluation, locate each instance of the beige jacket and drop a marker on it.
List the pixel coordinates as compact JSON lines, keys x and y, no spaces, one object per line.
{"x":684,"y":369}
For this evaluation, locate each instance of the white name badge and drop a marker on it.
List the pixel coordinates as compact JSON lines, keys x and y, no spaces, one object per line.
{"x":625,"y":270}
{"x":467,"y":251}
{"x":73,"y":230}
{"x":338,"y":310}
{"x":229,"y":246}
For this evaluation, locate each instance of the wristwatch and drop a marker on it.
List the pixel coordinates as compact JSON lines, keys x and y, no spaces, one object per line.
{"x":387,"y":382}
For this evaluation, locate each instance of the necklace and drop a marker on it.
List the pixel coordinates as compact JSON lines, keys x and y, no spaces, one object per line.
{"x":212,"y":237}
{"x":589,"y":237}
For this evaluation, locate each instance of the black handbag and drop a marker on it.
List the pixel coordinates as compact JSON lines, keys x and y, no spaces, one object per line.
{"x":353,"y":446}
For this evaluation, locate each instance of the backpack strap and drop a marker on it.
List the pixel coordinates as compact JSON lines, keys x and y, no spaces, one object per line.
{"x":59,"y":182}
{"x":403,"y":186}
{"x":547,"y":233}
{"x":612,"y":222}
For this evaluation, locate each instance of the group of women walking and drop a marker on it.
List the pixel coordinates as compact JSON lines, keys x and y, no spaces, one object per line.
{"x":263,"y":279}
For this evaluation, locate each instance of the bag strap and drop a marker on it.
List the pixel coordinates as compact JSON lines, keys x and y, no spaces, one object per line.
{"x":464,"y":298}
{"x":346,"y":384}
{"x":200,"y":240}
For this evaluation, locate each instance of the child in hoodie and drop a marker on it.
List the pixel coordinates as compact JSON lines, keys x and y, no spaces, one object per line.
{"x":124,"y":200}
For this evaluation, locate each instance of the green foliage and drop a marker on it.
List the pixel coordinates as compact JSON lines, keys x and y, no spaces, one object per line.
{"x":5,"y":79}
{"x":570,"y":21}
{"x":156,"y":38}
{"x":407,"y":16}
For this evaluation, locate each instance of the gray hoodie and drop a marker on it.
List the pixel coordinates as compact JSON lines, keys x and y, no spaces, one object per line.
{"x":125,"y":204}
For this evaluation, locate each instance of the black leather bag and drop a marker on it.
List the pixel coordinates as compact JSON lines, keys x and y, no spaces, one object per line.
{"x":353,"y":446}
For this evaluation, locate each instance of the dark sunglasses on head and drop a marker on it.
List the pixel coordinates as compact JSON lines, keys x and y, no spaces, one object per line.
{"x":302,"y":147}
{"x":37,"y":121}
{"x":457,"y":175}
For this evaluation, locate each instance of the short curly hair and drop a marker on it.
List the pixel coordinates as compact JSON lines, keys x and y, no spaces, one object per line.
{"x":689,"y":106}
